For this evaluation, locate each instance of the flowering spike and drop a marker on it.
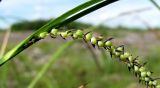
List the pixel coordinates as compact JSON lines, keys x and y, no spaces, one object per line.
{"x":133,"y":64}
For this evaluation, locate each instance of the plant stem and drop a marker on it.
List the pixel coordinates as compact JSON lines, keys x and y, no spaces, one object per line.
{"x":87,"y":11}
{"x":95,"y":58}
{"x":154,"y":2}
{"x":5,"y":42}
{"x":45,"y":68}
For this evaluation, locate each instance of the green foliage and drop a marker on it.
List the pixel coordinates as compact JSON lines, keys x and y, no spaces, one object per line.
{"x":77,"y":25}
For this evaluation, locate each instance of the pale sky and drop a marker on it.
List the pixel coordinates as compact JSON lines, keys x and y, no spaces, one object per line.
{"x":13,"y":10}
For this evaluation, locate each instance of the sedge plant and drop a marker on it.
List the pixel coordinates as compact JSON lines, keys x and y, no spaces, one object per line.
{"x":133,"y":63}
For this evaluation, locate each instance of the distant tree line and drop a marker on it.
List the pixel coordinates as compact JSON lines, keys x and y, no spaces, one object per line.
{"x":36,"y":24}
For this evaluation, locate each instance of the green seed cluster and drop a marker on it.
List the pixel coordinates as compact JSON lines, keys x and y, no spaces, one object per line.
{"x":134,"y":65}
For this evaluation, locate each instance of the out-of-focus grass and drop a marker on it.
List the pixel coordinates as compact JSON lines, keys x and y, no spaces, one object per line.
{"x":50,"y":62}
{"x":153,"y":59}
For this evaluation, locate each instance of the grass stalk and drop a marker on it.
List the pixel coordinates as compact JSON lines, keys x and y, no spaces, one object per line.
{"x":95,"y":58}
{"x":154,"y":3}
{"x":45,"y":68}
{"x":5,"y":42}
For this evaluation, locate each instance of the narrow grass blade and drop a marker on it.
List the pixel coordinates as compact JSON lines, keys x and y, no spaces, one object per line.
{"x":87,"y":11}
{"x":5,"y":42}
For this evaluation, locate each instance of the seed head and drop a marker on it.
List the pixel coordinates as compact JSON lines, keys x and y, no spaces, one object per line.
{"x":117,"y":54}
{"x":143,"y":74}
{"x":155,"y":82}
{"x":64,"y":34}
{"x":100,"y":43}
{"x":54,"y":32}
{"x":88,"y":36}
{"x":43,"y":35}
{"x":75,"y":36}
{"x":126,"y":55}
{"x":136,"y":68}
{"x":142,"y":69}
{"x":120,"y":49}
{"x":146,"y":79}
{"x":150,"y":83}
{"x":130,"y":58}
{"x":122,"y":57}
{"x":79,"y":33}
{"x":148,"y":73}
{"x":69,"y":33}
{"x":108,"y":43}
{"x":93,"y":40}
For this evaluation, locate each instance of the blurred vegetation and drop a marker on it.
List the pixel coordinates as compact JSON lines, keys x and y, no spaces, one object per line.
{"x":35,"y":24}
{"x":28,"y":25}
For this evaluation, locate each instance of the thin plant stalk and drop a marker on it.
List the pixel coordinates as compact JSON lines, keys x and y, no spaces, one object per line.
{"x":5,"y":42}
{"x":5,"y":70}
{"x":95,"y":58}
{"x":155,"y":3}
{"x":45,"y":68}
{"x":120,"y":15}
{"x":148,"y":26}
{"x":126,"y":14}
